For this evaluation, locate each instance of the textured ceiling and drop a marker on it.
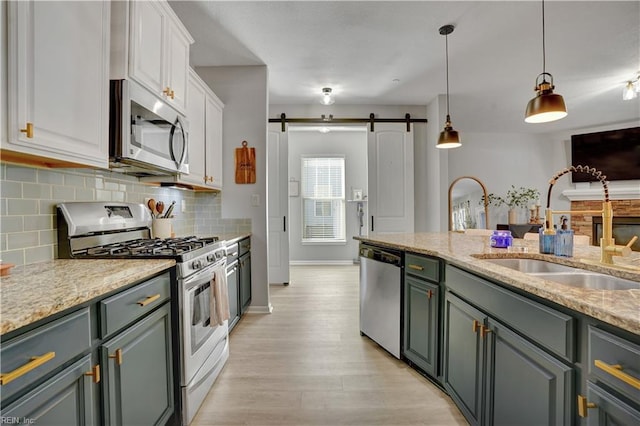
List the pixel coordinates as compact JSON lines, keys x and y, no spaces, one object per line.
{"x":390,"y":53}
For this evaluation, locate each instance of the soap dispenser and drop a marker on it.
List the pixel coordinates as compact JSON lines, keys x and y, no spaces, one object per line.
{"x":564,"y":239}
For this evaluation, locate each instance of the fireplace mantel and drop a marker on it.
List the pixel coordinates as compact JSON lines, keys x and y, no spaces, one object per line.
{"x":586,"y":192}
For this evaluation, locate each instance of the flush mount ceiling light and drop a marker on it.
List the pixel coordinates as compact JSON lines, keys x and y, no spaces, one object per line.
{"x":327,"y":97}
{"x":631,"y":89}
{"x":449,"y":138}
{"x":546,"y":106}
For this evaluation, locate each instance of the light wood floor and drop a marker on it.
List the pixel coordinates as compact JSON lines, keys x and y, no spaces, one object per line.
{"x":306,"y":364}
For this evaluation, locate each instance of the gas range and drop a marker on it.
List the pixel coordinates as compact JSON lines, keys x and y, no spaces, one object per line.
{"x":111,"y":230}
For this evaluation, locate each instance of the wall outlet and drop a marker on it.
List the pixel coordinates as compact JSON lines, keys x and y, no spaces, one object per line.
{"x":183,"y":206}
{"x":255,"y":200}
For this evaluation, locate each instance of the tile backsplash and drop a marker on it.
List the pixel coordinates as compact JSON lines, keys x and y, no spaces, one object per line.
{"x":28,"y":198}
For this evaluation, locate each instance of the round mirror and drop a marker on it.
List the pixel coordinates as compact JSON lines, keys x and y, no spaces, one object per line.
{"x":468,"y":205}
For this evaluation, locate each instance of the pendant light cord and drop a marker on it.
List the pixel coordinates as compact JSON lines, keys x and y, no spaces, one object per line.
{"x":446,"y":49}
{"x":544,"y":67}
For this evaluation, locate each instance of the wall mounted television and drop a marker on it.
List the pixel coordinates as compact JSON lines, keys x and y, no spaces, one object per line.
{"x":615,"y":152}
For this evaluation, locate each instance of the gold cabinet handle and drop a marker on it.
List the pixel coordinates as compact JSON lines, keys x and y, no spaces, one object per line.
{"x":617,"y":372}
{"x":430,"y":294}
{"x":35,"y":362}
{"x":95,"y":373}
{"x":583,"y":406}
{"x":167,"y":91}
{"x":117,"y":356}
{"x":148,"y":300}
{"x":484,"y":331}
{"x":476,"y":326}
{"x":171,"y":94}
{"x":28,"y":130}
{"x":206,"y":178}
{"x":416,"y":267}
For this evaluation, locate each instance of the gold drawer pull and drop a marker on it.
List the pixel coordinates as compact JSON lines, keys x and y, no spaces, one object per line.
{"x":484,"y":331}
{"x":36,"y":361}
{"x":148,"y":300}
{"x":117,"y":356}
{"x":583,"y":406}
{"x":28,"y":130}
{"x":616,"y":371}
{"x":95,"y":373}
{"x":476,"y":326}
{"x":430,"y":294}
{"x":416,"y":267}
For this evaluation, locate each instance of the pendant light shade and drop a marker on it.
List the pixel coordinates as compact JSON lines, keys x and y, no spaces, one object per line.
{"x":327,"y":97}
{"x":546,"y":106}
{"x":449,"y":138}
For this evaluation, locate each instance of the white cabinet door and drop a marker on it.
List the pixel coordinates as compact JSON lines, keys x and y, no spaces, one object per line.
{"x":147,"y":50}
{"x":177,"y":65}
{"x":390,"y":155}
{"x":196,"y":119}
{"x":278,"y":205}
{"x":58,"y":80}
{"x":213,"y":144}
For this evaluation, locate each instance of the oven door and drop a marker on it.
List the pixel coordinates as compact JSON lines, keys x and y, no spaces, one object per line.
{"x":199,"y":338}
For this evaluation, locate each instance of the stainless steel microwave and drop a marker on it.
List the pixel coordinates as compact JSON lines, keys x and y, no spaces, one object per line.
{"x":147,"y":136}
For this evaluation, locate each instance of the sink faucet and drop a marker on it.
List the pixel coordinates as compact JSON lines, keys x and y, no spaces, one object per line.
{"x":608,"y":248}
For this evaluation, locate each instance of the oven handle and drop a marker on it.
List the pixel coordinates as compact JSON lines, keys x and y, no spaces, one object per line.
{"x":205,"y":275}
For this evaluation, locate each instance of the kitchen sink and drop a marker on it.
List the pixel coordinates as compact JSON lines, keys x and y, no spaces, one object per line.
{"x":567,"y":275}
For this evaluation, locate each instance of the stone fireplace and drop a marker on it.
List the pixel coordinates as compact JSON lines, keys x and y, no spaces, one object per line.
{"x":626,"y":213}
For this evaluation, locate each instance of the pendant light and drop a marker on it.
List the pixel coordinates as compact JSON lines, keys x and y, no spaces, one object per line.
{"x":448,"y":137}
{"x":546,"y":106}
{"x":327,"y":97}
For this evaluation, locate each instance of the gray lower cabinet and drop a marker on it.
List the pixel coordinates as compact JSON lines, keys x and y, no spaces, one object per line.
{"x":65,"y":399}
{"x":138,"y":372}
{"x":245,"y":281}
{"x":605,"y":409}
{"x":420,"y":345}
{"x":233,"y":287}
{"x":497,"y":377}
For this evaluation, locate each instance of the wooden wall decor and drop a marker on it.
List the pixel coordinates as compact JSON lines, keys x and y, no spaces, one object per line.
{"x":245,"y":164}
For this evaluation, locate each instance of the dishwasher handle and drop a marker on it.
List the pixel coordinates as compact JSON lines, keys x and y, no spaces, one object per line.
{"x":379,"y":255}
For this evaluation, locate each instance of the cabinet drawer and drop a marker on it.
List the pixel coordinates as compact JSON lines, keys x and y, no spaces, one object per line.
{"x":125,"y":307}
{"x":615,"y":361}
{"x":544,"y":325}
{"x":244,"y":246}
{"x":38,"y":352}
{"x":423,"y":267}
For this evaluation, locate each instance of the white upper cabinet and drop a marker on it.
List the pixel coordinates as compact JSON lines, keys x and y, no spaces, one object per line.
{"x":195,"y":115}
{"x":58,"y":82}
{"x":151,"y":45}
{"x":213,"y":138}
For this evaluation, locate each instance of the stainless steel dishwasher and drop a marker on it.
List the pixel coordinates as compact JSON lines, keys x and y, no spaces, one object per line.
{"x":380,"y":285}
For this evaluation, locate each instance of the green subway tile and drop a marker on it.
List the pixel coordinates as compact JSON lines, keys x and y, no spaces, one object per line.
{"x":36,"y":191}
{"x":38,"y":223}
{"x":10,"y":189}
{"x":64,"y":193}
{"x":47,"y":207}
{"x":102,"y":195}
{"x":117,"y":196}
{"x":48,"y":237}
{"x":73,"y":180}
{"x":38,"y":254}
{"x":13,"y":256}
{"x":47,"y":176}
{"x":21,"y":174}
{"x":21,"y":240}
{"x":111,"y":186}
{"x":85,"y":194}
{"x":21,"y":207}
{"x":11,"y":224}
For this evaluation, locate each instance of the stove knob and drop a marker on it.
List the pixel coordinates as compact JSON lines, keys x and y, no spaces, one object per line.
{"x":196,"y":264}
{"x":211,"y":258}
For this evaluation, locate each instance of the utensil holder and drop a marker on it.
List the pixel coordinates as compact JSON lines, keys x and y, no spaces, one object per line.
{"x":161,"y":227}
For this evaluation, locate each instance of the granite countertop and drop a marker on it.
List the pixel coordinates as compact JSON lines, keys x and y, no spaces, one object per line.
{"x":36,"y":291}
{"x":620,"y":308}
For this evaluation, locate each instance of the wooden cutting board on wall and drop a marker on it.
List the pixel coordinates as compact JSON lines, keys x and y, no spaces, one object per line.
{"x":245,"y":164}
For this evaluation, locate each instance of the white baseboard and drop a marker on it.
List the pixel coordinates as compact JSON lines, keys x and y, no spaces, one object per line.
{"x":320,"y":262}
{"x":259,"y":309}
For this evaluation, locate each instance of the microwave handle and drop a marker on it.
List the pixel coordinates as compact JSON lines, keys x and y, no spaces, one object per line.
{"x":178,"y":127}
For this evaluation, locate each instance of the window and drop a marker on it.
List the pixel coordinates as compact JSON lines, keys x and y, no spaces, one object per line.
{"x":323,"y":203}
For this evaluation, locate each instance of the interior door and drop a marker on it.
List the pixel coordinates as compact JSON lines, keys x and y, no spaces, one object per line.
{"x":390,"y":168}
{"x":278,"y":205}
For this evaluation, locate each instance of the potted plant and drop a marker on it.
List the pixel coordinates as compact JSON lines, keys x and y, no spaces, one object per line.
{"x":516,"y":197}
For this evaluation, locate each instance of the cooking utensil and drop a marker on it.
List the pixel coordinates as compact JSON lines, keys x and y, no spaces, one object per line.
{"x":159,"y":208}
{"x":169,"y":210}
{"x":152,"y":206}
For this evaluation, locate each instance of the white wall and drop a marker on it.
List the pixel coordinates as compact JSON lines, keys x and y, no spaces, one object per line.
{"x":243,"y":90}
{"x":353,"y":146}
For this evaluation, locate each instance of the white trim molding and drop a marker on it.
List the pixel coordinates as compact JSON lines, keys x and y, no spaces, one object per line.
{"x":259,"y":309}
{"x":630,"y":191}
{"x":320,"y":262}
